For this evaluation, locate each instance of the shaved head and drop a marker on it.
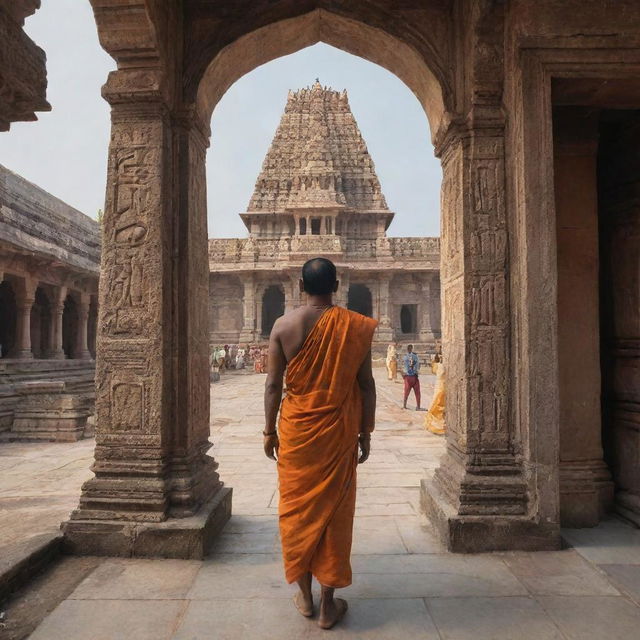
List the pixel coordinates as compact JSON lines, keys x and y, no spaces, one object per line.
{"x":319,"y":276}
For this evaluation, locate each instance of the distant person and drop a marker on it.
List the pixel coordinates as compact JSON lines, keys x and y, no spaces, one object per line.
{"x":221,"y":357}
{"x":326,"y":419}
{"x":434,"y":420}
{"x":240,"y":358}
{"x":410,"y":368}
{"x":392,"y":361}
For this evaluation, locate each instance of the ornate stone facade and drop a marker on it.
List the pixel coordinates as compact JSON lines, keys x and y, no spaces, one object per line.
{"x":488,"y":75}
{"x":49,"y":268}
{"x":318,"y":195}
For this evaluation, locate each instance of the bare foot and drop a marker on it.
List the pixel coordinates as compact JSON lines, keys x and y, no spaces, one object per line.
{"x":332,"y":613}
{"x":303,"y":605}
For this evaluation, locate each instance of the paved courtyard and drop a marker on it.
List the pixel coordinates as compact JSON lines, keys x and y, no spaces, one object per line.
{"x":405,"y":584}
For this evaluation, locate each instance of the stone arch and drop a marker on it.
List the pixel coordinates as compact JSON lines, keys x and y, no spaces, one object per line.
{"x":359,"y":299}
{"x":407,"y":60}
{"x":8,"y":318}
{"x":272,"y":307}
{"x":70,"y":322}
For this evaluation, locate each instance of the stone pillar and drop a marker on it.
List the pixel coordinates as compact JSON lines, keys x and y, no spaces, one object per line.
{"x":82,"y":349}
{"x":342,"y":294}
{"x":248,"y":333}
{"x":478,"y":498}
{"x":424,"y":313}
{"x":24,"y":303}
{"x":55,"y":328}
{"x":385,"y":330}
{"x":155,"y":491}
{"x":586,"y":490}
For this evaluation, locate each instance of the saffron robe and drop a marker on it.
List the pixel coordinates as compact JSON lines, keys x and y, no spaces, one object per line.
{"x":320,"y":419}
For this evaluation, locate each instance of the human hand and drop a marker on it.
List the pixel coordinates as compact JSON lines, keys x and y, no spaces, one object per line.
{"x":364,"y":441}
{"x":271,"y":445}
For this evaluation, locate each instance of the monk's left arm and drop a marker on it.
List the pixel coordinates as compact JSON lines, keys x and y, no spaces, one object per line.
{"x":368,"y":390}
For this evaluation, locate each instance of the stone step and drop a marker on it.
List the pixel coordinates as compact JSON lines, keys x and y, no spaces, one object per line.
{"x":20,"y":562}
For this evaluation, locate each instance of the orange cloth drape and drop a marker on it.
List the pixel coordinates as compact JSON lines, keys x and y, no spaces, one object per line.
{"x":319,"y":424}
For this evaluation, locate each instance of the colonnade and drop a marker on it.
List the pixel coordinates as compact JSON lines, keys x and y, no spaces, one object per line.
{"x":21,"y":324}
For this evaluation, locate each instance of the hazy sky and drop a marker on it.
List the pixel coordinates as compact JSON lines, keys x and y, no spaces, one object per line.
{"x":66,"y":151}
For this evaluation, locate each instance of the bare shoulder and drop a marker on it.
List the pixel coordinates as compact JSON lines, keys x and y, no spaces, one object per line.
{"x":288,"y":321}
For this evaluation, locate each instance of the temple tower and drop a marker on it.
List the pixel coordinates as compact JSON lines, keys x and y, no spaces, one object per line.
{"x":318,"y":177}
{"x":318,"y":195}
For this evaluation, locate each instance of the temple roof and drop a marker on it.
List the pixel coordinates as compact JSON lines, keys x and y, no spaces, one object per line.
{"x":317,"y":158}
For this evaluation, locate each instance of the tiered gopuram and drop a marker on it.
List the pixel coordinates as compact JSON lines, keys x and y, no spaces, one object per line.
{"x":318,"y":195}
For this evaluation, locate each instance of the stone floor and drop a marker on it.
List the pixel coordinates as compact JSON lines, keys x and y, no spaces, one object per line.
{"x":405,"y":584}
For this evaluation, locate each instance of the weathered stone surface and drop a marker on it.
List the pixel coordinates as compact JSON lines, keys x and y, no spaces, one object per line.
{"x":23,"y":76}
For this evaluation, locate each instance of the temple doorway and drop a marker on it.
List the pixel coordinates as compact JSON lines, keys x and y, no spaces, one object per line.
{"x":359,"y":299}
{"x":69,"y":327}
{"x":597,"y":192}
{"x":8,"y":315}
{"x":272,"y":307}
{"x":40,"y":324}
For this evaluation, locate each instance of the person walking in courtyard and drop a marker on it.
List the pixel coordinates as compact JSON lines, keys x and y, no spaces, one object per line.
{"x":324,"y":431}
{"x":410,"y":368}
{"x":392,"y":361}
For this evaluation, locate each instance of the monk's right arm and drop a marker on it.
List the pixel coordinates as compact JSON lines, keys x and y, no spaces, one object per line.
{"x":273,"y":384}
{"x":368,"y":390}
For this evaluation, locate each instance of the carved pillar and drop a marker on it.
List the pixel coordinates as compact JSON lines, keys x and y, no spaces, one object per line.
{"x":424,"y":311}
{"x":82,"y":350}
{"x":155,"y":491}
{"x":248,"y":333}
{"x":342,"y":295}
{"x":55,"y":328}
{"x":478,"y":496}
{"x":385,"y":332}
{"x":24,"y":304}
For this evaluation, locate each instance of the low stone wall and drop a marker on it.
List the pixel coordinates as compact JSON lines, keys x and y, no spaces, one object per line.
{"x":50,"y":400}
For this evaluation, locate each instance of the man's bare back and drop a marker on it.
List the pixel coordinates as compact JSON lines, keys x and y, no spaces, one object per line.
{"x":291,"y":330}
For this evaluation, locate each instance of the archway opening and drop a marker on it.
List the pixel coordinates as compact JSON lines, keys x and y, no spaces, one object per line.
{"x":272,"y":308}
{"x":69,"y":327}
{"x":359,"y":299}
{"x":40,"y":324}
{"x":408,"y":318}
{"x":8,"y":318}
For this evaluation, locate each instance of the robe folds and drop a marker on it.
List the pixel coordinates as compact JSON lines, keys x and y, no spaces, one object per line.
{"x":320,"y":418}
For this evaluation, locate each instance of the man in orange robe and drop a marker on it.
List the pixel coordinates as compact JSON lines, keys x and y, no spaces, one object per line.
{"x":326,"y":420}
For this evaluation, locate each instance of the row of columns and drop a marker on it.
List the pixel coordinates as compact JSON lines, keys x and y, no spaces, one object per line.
{"x":25,"y":300}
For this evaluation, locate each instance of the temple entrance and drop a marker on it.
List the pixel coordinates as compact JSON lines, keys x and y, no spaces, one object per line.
{"x":598,"y":233}
{"x":8,"y":316}
{"x":359,"y":299}
{"x":272,"y":308}
{"x":40,"y":324}
{"x":408,"y":318}
{"x":69,"y":327}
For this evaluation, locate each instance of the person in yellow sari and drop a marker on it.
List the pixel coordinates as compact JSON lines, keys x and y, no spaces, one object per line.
{"x":392,"y":361}
{"x":326,"y":419}
{"x":434,"y":420}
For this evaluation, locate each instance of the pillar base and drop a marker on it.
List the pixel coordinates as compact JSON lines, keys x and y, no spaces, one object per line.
{"x":23,"y":354}
{"x":627,"y":504}
{"x":586,"y":492}
{"x":183,"y":538}
{"x":480,"y":533}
